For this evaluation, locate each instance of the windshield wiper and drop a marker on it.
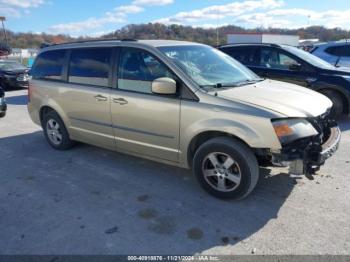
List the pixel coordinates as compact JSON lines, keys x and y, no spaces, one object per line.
{"x":249,"y":82}
{"x":218,"y":85}
{"x":233,"y":84}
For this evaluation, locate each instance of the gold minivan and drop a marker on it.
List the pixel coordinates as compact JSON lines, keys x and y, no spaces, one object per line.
{"x":180,"y":103}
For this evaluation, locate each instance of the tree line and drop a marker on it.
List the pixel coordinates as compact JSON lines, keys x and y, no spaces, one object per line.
{"x":176,"y":32}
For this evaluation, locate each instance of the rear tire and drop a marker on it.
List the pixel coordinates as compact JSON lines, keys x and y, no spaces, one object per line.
{"x":338,"y":103}
{"x":55,"y":132}
{"x":3,"y":114}
{"x":226,"y":168}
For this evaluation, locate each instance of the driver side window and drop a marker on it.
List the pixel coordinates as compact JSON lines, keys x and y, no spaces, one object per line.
{"x":138,"y":69}
{"x":274,"y":59}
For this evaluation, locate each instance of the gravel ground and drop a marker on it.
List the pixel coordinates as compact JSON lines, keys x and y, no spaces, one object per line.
{"x":93,"y":201}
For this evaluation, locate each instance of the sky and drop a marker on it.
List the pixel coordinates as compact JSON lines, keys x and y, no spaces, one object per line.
{"x":94,"y":18}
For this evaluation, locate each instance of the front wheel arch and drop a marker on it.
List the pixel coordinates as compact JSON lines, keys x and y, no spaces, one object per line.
{"x":203,"y":137}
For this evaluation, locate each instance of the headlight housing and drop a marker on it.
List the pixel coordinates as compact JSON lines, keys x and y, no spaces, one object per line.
{"x":288,"y":130}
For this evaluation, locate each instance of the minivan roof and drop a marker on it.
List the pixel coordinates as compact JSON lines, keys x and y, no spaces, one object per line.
{"x":112,"y":42}
{"x":251,"y":44}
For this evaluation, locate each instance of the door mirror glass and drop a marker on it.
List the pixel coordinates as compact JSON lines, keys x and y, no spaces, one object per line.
{"x":295,"y":67}
{"x":164,"y":86}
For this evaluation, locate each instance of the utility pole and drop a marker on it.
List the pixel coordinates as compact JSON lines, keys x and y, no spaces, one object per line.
{"x":2,"y":19}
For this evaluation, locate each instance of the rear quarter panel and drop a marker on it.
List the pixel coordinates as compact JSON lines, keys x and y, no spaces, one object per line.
{"x":43,"y":93}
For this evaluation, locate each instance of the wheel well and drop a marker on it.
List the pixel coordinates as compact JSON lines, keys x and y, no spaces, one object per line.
{"x":201,"y":138}
{"x":343,"y":97}
{"x":43,"y":111}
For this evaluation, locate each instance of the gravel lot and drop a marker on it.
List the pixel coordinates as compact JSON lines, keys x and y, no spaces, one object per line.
{"x":93,"y":201}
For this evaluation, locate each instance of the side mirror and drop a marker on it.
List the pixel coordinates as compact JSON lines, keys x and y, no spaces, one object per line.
{"x":164,"y":86}
{"x":295,"y":67}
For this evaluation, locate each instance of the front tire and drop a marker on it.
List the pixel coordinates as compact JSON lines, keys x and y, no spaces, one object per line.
{"x":226,"y":168}
{"x":338,"y":103}
{"x":55,"y":132}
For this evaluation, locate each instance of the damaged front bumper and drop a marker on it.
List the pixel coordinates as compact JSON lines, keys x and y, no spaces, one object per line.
{"x":307,"y":155}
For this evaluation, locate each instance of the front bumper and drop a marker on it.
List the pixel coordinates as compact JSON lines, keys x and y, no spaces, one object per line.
{"x":308,"y":155}
{"x":331,"y":145}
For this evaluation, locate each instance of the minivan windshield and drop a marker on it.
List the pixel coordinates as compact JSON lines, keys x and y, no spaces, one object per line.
{"x":11,"y":65}
{"x":310,"y":58}
{"x":209,"y":67}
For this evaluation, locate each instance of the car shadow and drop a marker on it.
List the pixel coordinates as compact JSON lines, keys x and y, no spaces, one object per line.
{"x":17,"y":100}
{"x":344,"y":123}
{"x":92,"y":201}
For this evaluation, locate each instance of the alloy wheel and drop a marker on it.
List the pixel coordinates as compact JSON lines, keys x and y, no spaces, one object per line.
{"x":221,"y":172}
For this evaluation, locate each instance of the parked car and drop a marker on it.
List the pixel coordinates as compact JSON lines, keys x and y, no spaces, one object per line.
{"x":3,"y":106}
{"x":13,"y":75}
{"x":291,"y":64}
{"x":335,"y":53}
{"x":183,"y":104}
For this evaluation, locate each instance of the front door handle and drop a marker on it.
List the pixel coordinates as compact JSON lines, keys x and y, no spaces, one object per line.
{"x":100,"y":98}
{"x":120,"y":101}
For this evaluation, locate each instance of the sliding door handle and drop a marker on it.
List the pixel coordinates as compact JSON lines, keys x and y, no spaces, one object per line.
{"x":100,"y":98}
{"x":120,"y":101}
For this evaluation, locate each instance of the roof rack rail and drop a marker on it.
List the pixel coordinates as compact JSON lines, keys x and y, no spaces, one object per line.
{"x":44,"y":45}
{"x":237,"y":44}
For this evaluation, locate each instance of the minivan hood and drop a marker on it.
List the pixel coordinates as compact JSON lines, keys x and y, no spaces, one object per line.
{"x":287,"y":99}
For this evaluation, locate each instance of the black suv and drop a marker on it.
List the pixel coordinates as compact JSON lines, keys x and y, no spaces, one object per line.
{"x":13,"y":75}
{"x":290,"y":64}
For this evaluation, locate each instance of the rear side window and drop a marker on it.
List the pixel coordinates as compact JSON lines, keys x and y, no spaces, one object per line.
{"x":343,"y":50}
{"x":90,"y":66}
{"x":49,"y":65}
{"x":245,"y":55}
{"x":334,"y":50}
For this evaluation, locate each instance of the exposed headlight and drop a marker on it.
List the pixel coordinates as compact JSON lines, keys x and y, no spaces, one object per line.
{"x":289,"y":130}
